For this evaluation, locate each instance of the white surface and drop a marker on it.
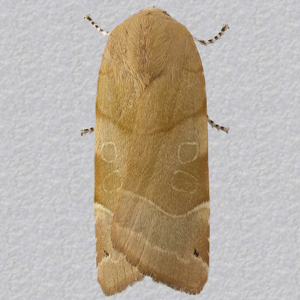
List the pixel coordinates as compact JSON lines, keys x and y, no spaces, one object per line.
{"x":50,"y":59}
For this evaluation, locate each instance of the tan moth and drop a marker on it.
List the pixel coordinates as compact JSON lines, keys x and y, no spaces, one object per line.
{"x":151,"y":156}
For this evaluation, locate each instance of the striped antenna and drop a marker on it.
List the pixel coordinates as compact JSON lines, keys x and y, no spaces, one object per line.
{"x":96,"y":26}
{"x":205,"y":43}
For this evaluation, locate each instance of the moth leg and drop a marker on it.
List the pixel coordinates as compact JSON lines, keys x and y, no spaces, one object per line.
{"x":213,"y":124}
{"x":205,"y":43}
{"x":96,"y":26}
{"x":85,"y":131}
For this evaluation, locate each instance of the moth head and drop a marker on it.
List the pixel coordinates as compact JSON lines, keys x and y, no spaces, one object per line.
{"x":155,"y":9}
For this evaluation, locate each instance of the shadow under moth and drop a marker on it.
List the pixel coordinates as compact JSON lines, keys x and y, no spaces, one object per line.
{"x":151,"y":156}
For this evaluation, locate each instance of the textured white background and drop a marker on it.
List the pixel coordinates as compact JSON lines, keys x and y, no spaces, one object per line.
{"x":49,"y":64}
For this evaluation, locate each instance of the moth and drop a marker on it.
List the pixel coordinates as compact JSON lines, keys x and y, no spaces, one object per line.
{"x":151,"y":156}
